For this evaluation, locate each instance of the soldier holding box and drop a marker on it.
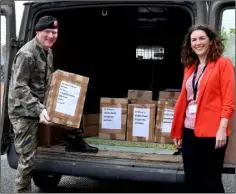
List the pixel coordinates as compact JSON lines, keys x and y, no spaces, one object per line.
{"x":31,"y":70}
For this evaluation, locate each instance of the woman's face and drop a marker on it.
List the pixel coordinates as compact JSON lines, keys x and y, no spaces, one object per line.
{"x":200,"y":42}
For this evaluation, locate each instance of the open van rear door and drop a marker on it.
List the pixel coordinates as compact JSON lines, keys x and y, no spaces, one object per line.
{"x":222,"y":18}
{"x":8,"y":35}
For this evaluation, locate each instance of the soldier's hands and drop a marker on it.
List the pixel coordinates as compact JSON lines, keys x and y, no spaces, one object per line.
{"x":44,"y":118}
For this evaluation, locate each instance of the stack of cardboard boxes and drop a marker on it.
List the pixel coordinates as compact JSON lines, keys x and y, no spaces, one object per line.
{"x":148,"y":120}
{"x":135,"y":118}
{"x":141,"y":116}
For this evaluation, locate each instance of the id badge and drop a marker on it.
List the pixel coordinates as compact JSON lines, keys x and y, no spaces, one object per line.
{"x":192,"y":108}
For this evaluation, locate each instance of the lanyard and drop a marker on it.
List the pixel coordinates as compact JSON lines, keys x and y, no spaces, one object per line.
{"x":195,"y":86}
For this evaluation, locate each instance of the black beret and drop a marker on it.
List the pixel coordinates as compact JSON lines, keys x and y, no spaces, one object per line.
{"x":46,"y":22}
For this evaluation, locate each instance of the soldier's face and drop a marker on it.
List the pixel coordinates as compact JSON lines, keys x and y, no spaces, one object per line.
{"x":47,"y":37}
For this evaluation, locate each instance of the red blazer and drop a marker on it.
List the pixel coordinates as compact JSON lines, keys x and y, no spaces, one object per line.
{"x":215,"y":99}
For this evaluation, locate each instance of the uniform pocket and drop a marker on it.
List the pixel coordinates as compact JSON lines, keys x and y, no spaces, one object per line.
{"x":38,"y":75}
{"x":25,"y":136}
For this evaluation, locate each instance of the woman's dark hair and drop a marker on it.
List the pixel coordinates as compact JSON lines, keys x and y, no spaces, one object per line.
{"x":188,"y":57}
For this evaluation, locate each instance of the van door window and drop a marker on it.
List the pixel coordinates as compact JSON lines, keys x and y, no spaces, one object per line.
{"x":19,"y":8}
{"x":228,"y":32}
{"x":149,"y":52}
{"x":3,"y":44}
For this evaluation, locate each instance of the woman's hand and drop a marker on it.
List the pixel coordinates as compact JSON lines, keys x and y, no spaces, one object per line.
{"x":220,"y":137}
{"x":177,"y":143}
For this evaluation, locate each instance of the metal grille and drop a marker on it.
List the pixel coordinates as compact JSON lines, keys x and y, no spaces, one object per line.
{"x":78,"y":183}
{"x":150,"y":52}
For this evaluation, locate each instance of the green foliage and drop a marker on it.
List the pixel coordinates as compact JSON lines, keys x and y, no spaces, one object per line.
{"x":232,"y":31}
{"x":224,"y":35}
{"x":229,"y":43}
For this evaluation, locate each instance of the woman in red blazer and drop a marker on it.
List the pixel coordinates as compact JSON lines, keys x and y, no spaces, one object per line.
{"x":203,"y":110}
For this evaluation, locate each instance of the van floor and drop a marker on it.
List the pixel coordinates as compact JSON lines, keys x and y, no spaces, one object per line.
{"x":136,"y":152}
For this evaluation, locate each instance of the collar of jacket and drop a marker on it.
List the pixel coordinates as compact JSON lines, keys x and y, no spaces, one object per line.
{"x":206,"y":76}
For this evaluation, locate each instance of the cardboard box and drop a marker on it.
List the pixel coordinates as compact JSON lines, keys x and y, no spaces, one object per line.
{"x":164,"y":117}
{"x":141,"y":122}
{"x":169,"y":95}
{"x":54,"y":135}
{"x":64,"y":98}
{"x":90,"y":125}
{"x":135,"y":101}
{"x":139,"y":95}
{"x":50,"y":135}
{"x":113,"y":117}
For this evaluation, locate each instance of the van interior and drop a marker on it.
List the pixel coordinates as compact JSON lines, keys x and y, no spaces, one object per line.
{"x":121,"y":48}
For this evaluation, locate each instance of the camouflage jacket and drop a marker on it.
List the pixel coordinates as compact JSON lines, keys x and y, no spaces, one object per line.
{"x":30,"y":73}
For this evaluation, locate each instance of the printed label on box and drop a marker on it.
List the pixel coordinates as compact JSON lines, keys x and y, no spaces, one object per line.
{"x":111,"y":118}
{"x":67,"y":99}
{"x":141,"y":118}
{"x":167,"y":120}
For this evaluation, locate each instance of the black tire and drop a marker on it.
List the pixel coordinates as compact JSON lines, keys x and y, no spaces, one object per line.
{"x":46,"y":180}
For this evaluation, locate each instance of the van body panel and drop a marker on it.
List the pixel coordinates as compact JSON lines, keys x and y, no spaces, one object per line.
{"x":7,"y":10}
{"x":108,"y":168}
{"x":214,"y":21}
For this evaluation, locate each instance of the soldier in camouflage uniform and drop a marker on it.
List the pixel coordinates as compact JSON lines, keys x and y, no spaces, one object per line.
{"x":31,"y":69}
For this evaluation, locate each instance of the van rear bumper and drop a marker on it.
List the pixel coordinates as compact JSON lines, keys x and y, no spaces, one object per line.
{"x":111,"y":170}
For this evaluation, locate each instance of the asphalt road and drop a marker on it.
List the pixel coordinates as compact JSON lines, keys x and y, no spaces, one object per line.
{"x":78,"y":184}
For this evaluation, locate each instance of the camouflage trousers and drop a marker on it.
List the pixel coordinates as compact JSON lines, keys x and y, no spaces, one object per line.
{"x":26,"y":142}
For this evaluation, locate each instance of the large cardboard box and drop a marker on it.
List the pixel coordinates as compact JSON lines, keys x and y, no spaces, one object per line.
{"x":139,"y":95}
{"x":51,"y":135}
{"x":64,"y":98}
{"x":141,"y":122}
{"x":90,"y":125}
{"x":113,"y":118}
{"x":164,"y":117}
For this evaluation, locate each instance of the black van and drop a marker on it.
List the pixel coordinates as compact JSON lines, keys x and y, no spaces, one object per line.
{"x":128,"y":44}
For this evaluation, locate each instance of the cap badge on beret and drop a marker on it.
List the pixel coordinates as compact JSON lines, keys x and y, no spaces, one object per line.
{"x":55,"y":23}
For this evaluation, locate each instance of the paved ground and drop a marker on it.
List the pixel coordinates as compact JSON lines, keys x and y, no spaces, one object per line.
{"x":78,"y":185}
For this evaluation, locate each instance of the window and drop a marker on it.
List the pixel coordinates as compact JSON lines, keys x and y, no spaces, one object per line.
{"x":19,"y":8}
{"x":228,"y":33}
{"x":149,"y":53}
{"x":3,"y":44}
